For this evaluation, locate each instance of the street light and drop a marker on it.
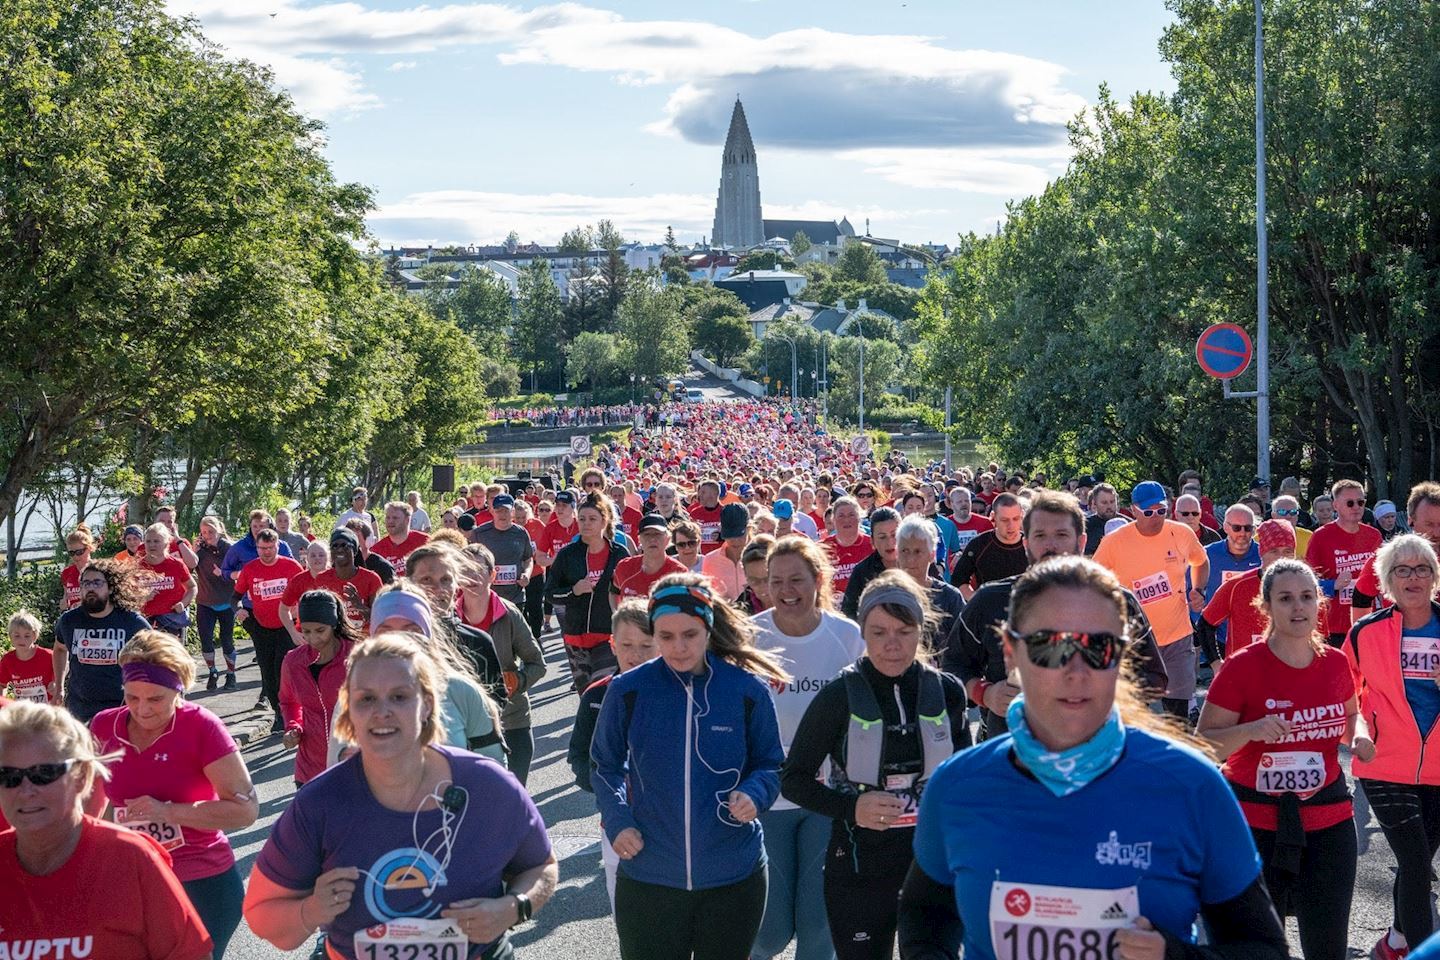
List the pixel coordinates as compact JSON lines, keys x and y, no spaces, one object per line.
{"x":781,"y":336}
{"x":632,"y":388}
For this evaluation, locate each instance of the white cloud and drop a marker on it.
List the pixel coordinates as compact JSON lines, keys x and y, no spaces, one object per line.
{"x":1006,"y":174}
{"x":399,"y":65}
{"x":467,"y":216}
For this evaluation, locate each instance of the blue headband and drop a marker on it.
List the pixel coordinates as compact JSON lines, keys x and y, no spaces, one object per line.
{"x":407,"y":606}
{"x":695,"y":601}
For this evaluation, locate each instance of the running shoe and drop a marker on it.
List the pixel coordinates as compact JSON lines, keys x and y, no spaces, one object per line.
{"x":230,"y":680}
{"x":212,"y":681}
{"x":1383,"y":950}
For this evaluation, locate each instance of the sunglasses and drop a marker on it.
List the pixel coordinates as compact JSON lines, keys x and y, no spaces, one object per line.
{"x":1053,"y":649}
{"x":1287,"y":512}
{"x":1159,"y":511}
{"x":1188,"y":513}
{"x":42,"y":774}
{"x":1352,"y":503}
{"x":1242,"y":527}
{"x":76,"y":553}
{"x":682,"y":544}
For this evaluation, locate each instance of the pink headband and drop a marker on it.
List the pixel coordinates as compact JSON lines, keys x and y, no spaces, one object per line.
{"x":152,"y":673}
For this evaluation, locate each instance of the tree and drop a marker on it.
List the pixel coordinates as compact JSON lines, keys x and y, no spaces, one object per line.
{"x":800,"y":243}
{"x":512,"y":242}
{"x":538,"y":320}
{"x":576,"y":241}
{"x":758,"y":260}
{"x":860,"y":264}
{"x":723,"y":338}
{"x":614,"y":273}
{"x":670,"y":245}
{"x":654,"y":338}
{"x":591,"y":360}
{"x":498,"y":378}
{"x":482,"y":307}
{"x":882,"y":368}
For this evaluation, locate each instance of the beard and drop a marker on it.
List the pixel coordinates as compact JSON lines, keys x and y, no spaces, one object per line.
{"x":93,"y":604}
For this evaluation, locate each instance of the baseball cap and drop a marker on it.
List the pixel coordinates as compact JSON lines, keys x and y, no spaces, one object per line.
{"x":653,"y":521}
{"x":783,"y":509}
{"x":1259,"y":482}
{"x":734,"y":521}
{"x":745,"y":490}
{"x":1275,"y":535}
{"x":566,"y":496}
{"x":1385,"y":508}
{"x":502,"y":500}
{"x":1147,"y":494}
{"x":1114,"y":523}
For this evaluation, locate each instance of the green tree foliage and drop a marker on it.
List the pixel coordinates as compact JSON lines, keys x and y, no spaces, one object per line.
{"x":654,"y":337}
{"x":482,"y":307}
{"x":882,"y":368}
{"x":499,"y":378}
{"x":762,"y":260}
{"x":614,"y":273}
{"x":723,"y":338}
{"x":591,"y":360}
{"x":860,"y":264}
{"x":538,"y":319}
{"x":800,"y":243}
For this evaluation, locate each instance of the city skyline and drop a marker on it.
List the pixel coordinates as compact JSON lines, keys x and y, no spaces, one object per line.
{"x":470,"y":120}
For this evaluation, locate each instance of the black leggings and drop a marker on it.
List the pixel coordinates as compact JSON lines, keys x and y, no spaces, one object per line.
{"x":271,"y":645}
{"x":1319,"y":896}
{"x":1409,"y":814}
{"x":864,"y":909}
{"x":715,"y":924}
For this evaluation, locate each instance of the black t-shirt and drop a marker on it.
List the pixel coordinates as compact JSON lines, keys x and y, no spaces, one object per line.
{"x":1094,"y":533}
{"x":985,"y":559}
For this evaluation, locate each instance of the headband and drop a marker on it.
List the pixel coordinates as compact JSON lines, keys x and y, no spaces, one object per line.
{"x":319,"y":606}
{"x":152,"y":673}
{"x":694,"y":601}
{"x":874,"y":596}
{"x":406,"y":606}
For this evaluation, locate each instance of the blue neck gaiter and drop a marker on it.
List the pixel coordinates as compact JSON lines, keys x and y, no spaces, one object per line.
{"x":1065,"y":772}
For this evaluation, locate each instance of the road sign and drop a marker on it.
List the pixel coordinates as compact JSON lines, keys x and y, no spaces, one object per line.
{"x":1224,"y":350}
{"x":860,"y":445}
{"x":580,"y":446}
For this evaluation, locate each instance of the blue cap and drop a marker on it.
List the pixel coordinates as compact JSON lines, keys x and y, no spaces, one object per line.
{"x":1147,"y":494}
{"x":745,"y":490}
{"x":783,"y":509}
{"x":502,"y":500}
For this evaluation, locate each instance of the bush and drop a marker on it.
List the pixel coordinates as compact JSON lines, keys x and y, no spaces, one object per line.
{"x":521,"y":400}
{"x":38,"y":590}
{"x":500,"y":424}
{"x":894,"y":410}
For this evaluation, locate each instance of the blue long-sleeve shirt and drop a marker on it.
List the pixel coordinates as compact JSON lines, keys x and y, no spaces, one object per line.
{"x":668,"y":750}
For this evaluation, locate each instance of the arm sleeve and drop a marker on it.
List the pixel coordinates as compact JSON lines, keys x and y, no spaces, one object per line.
{"x":1217,"y":610}
{"x":609,"y":753}
{"x":1245,"y":927}
{"x":528,"y":651}
{"x":850,"y":603}
{"x":242,"y":585}
{"x":290,"y":707}
{"x":558,"y":584}
{"x":819,"y":727}
{"x":957,"y":705}
{"x":581,"y":737}
{"x":964,"y":655}
{"x":929,"y":923}
{"x":764,"y":754}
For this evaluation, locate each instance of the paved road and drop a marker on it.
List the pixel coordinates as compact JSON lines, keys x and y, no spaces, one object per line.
{"x":576,"y":924}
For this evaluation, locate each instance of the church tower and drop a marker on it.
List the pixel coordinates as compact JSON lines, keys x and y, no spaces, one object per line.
{"x":737,"y":207}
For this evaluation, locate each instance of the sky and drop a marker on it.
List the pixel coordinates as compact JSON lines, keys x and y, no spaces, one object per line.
{"x":470,"y":120}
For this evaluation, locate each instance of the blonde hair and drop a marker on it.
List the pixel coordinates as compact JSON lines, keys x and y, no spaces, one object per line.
{"x":210,"y":520}
{"x":444,"y":537}
{"x":160,"y":529}
{"x":634,"y":611}
{"x":80,"y":535}
{"x":24,"y":618}
{"x":161,"y":649}
{"x":70,"y":738}
{"x":410,"y":648}
{"x":1406,"y":547}
{"x":817,"y":559}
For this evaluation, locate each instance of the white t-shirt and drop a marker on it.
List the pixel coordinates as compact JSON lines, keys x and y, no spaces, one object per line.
{"x":812,"y":661}
{"x":420,"y":520}
{"x":805,"y":524}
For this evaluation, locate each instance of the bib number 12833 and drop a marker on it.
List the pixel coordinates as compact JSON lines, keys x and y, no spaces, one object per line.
{"x":1030,"y":921}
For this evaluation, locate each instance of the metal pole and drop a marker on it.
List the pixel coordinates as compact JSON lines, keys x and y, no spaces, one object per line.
{"x":1262,"y":269}
{"x":947,"y":431}
{"x":825,"y":379}
{"x":794,"y":386}
{"x":862,"y":379}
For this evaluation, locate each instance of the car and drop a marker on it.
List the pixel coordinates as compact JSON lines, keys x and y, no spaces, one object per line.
{"x":693,"y":395}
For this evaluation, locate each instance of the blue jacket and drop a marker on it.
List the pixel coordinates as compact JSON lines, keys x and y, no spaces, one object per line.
{"x":668,"y":750}
{"x":241,"y":553}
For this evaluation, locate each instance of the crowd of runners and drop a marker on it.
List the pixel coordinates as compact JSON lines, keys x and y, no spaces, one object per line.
{"x":821,"y":697}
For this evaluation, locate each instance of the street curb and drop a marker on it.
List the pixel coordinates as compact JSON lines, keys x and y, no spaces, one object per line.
{"x":245,"y":724}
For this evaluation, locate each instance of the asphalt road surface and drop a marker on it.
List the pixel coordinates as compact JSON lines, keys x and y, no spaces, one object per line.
{"x":576,"y":924}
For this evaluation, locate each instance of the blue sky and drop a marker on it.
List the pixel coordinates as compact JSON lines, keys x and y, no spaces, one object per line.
{"x":472,"y":119}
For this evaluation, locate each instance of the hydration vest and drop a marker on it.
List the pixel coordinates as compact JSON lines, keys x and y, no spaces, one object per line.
{"x":865,"y":740}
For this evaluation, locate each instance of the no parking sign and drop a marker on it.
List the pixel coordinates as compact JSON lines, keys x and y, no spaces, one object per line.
{"x":1224,"y":351}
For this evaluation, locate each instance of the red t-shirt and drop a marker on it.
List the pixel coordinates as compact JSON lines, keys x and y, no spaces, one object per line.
{"x":299,"y":585}
{"x":1368,"y":583}
{"x":1235,"y":601}
{"x":845,"y":558}
{"x":266,"y":587}
{"x":819,"y":519}
{"x":31,"y":677}
{"x":630,"y":520}
{"x":70,"y":580}
{"x":1332,"y":551}
{"x":367,"y":584}
{"x":168,"y":580}
{"x":555,"y":536}
{"x":397,"y":552}
{"x":595,"y":561}
{"x":970,"y":529}
{"x":1255,"y":683}
{"x":631,"y":581}
{"x":116,"y":898}
{"x":709,"y":520}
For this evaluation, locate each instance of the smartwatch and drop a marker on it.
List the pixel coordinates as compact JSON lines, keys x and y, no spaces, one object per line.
{"x":523,"y":908}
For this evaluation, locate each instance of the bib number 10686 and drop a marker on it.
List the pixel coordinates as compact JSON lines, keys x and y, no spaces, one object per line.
{"x":1020,"y":942}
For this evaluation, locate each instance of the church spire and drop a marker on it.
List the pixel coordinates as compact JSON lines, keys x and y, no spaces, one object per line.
{"x":737,"y":206}
{"x":739,"y":148}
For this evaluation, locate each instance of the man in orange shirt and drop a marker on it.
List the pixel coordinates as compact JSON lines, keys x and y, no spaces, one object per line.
{"x":1150,"y":556}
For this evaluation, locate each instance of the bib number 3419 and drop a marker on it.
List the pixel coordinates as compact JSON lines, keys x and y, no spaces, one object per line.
{"x":1031,"y":921}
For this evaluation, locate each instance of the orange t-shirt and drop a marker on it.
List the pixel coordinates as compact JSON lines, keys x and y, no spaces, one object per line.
{"x":1154,"y":567}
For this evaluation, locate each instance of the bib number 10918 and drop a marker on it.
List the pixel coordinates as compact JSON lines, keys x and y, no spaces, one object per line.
{"x":1020,"y":942}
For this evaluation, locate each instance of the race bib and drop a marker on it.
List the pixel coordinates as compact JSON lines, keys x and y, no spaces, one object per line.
{"x":1031,"y":921}
{"x":1295,"y":771}
{"x":270,"y":589}
{"x":1153,"y":588}
{"x":412,"y":939}
{"x":506,"y":573}
{"x":168,"y":835}
{"x":903,"y":786}
{"x":99,"y":651}
{"x":710,"y":532}
{"x":1419,"y":656}
{"x":32,"y":689}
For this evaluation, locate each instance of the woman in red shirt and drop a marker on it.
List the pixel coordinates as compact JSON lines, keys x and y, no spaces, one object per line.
{"x":79,"y":545}
{"x":172,"y":589}
{"x":1277,"y":715}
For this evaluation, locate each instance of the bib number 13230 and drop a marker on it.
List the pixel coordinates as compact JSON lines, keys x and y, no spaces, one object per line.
{"x":1030,"y":921}
{"x":414,"y":939}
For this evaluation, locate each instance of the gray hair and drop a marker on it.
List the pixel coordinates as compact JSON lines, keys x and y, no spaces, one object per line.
{"x":917,"y":527}
{"x":1406,"y":548}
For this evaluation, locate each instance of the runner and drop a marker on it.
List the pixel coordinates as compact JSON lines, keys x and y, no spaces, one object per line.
{"x":134,"y":539}
{"x":359,"y":510}
{"x":915,"y":544}
{"x":1236,"y":603}
{"x":686,"y":534}
{"x":168,"y":579}
{"x":316,"y":560}
{"x":1395,"y":654}
{"x":706,"y":511}
{"x":1287,"y":508}
{"x":109,"y":891}
{"x":483,"y":863}
{"x":884,"y":521}
{"x":79,"y":547}
{"x":1231,"y":558}
{"x":724,"y":567}
{"x":522,"y":663}
{"x":1337,"y":553}
{"x":1129,"y":833}
{"x":296,"y":539}
{"x":241,"y":552}
{"x":367,"y":558}
{"x":88,"y":639}
{"x":652,"y":753}
{"x":400,"y":540}
{"x":356,"y":586}
{"x":311,"y":677}
{"x":878,"y":770}
{"x":755,"y":598}
{"x":1154,"y":556}
{"x":177,"y":777}
{"x":1188,"y":512}
{"x":419,"y":518}
{"x":509,"y":544}
{"x":436,"y":569}
{"x":1423,"y":509}
{"x":534,"y":605}
{"x":848,"y":546}
{"x":994,"y":554}
{"x":580,"y":576}
{"x":1104,"y":504}
{"x":812,"y":643}
{"x":262,"y":583}
{"x":25,"y":669}
{"x":1283,"y":761}
{"x":635,"y":575}
{"x":213,"y":610}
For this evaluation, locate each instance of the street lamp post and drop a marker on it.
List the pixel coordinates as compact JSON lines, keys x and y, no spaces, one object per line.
{"x":632,"y":388}
{"x":1262,"y":267}
{"x":793,"y":360}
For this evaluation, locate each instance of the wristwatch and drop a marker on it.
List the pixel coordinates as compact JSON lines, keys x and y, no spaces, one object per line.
{"x":524,"y":910}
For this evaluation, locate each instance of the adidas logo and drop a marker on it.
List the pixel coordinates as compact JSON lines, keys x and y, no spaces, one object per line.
{"x":1115,"y":912}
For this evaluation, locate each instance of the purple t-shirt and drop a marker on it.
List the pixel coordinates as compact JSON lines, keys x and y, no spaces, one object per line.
{"x":335,"y":821}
